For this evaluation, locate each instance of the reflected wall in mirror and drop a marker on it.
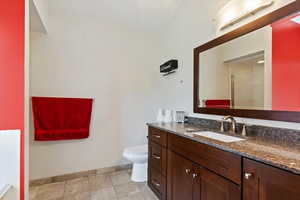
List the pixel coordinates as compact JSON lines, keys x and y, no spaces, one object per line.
{"x":252,"y":71}
{"x":257,"y":71}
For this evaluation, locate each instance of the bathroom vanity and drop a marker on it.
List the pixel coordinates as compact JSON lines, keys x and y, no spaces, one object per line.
{"x":186,"y":166}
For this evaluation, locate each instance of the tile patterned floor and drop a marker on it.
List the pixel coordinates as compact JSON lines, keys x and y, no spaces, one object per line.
{"x":108,"y":186}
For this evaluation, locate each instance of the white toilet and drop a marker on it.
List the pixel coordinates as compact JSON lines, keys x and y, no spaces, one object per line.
{"x":139,"y":157}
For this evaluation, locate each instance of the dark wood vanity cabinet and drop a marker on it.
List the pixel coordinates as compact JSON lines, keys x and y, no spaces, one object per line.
{"x":263,"y":182}
{"x":220,"y":162}
{"x":183,"y":169}
{"x":178,"y":169}
{"x":215,"y":187}
{"x":180,"y":177}
{"x":157,"y":162}
{"x":189,"y":181}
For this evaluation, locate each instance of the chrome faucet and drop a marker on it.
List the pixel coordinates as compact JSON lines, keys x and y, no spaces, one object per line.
{"x":232,"y":121}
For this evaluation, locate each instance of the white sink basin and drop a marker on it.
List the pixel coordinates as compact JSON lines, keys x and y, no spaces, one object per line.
{"x":218,"y":136}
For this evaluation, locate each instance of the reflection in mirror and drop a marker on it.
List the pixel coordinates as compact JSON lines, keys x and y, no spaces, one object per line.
{"x":257,"y":71}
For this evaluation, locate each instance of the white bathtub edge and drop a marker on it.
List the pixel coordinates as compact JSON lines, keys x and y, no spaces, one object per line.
{"x":4,"y":190}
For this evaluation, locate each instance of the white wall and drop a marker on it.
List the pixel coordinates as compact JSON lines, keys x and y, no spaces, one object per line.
{"x":90,"y":56}
{"x":191,"y":27}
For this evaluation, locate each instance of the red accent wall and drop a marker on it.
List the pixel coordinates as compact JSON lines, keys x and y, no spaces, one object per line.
{"x":12,"y":31}
{"x":286,"y":65}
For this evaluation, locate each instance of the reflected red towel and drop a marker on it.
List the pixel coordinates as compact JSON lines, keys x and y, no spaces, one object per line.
{"x":217,"y":103}
{"x":61,"y":118}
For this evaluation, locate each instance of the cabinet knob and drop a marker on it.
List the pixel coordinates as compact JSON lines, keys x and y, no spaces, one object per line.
{"x":195,"y":175}
{"x":155,"y":183}
{"x":248,"y":175}
{"x":187,"y":171}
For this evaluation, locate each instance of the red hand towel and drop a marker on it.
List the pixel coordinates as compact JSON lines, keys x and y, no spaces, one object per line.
{"x":217,"y":103}
{"x":61,"y":118}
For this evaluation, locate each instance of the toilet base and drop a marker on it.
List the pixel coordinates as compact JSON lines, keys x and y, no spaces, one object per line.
{"x":139,"y":172}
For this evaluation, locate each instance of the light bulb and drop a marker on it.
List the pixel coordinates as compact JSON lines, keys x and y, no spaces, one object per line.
{"x":251,"y":5}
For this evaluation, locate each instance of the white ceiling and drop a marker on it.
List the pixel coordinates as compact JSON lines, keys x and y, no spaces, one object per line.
{"x":147,"y":14}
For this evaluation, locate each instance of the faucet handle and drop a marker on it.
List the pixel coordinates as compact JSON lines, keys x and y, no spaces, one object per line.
{"x":222,"y":126}
{"x":225,"y":118}
{"x":244,"y":131}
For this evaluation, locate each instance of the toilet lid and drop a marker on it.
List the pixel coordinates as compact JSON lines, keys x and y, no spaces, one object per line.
{"x":137,"y":150}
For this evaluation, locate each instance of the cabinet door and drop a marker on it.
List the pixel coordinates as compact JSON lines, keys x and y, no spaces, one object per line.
{"x":263,"y":182}
{"x":179,"y":178}
{"x":210,"y":186}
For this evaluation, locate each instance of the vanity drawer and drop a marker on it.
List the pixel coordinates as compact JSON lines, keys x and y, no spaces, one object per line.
{"x":158,"y":136}
{"x":223,"y":163}
{"x":158,"y":183}
{"x":158,"y":158}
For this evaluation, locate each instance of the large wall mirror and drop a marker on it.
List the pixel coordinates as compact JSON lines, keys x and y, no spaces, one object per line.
{"x":253,"y":71}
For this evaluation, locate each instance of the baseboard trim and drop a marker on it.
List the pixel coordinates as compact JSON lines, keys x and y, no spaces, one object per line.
{"x":81,"y":174}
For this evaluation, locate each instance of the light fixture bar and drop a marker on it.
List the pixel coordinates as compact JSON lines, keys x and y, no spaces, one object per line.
{"x":247,"y":14}
{"x":261,"y":62}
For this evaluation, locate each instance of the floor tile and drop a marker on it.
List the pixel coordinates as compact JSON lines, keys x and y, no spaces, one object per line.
{"x":79,"y":196}
{"x":104,"y":194}
{"x":119,"y":178}
{"x":33,"y":191}
{"x":76,"y":186}
{"x":137,"y":196}
{"x":100,"y":181}
{"x":127,"y":189}
{"x":107,"y":186}
{"x":53,"y":191}
{"x":146,"y":192}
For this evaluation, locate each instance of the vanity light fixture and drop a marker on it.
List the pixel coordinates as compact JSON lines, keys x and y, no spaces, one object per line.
{"x":260,"y":62}
{"x":248,"y":13}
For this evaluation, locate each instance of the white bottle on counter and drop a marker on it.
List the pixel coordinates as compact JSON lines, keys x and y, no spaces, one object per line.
{"x":168,"y":116}
{"x":160,"y":115}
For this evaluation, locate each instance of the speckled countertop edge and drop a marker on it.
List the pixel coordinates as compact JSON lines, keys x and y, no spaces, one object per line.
{"x":180,"y":130}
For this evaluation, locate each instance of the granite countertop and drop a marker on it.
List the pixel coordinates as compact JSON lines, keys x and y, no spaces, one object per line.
{"x":268,"y":152}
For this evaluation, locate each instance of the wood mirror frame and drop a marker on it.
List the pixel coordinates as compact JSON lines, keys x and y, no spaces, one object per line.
{"x":289,"y":116}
